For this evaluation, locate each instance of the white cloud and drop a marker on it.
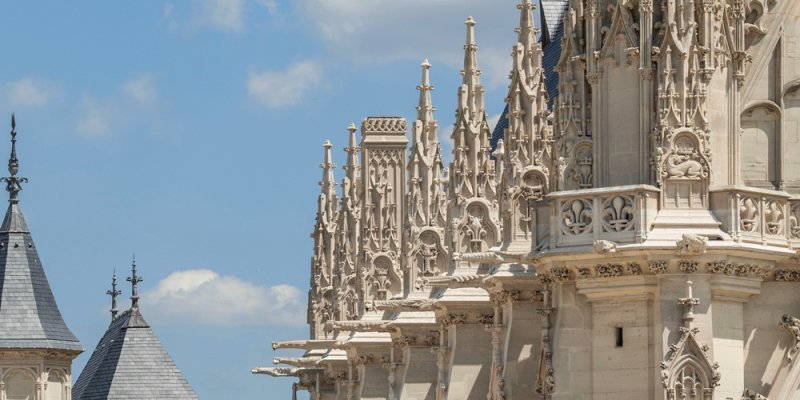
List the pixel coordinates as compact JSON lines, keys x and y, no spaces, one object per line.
{"x":382,"y":31}
{"x":270,"y":5}
{"x":223,"y":14}
{"x":168,"y":9}
{"x":96,"y":117}
{"x":285,"y":88}
{"x":29,"y":92}
{"x":141,"y":90}
{"x":203,"y":297}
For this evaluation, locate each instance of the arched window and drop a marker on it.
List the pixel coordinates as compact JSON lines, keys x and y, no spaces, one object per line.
{"x":20,"y":385}
{"x":55,"y":386}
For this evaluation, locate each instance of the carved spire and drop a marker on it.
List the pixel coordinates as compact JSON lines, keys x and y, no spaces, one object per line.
{"x":13,"y":183}
{"x":114,"y":292}
{"x":472,"y":90}
{"x":425,"y":108}
{"x":134,"y":279}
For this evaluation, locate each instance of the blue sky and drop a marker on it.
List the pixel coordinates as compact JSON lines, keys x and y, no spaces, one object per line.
{"x":190,"y":132}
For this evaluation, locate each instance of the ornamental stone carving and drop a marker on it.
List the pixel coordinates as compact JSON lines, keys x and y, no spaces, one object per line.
{"x":452,"y":319}
{"x":658,"y":266}
{"x":385,"y":125}
{"x":618,"y":214}
{"x":731,"y":269}
{"x":687,"y":266}
{"x":609,"y":270}
{"x":604,"y":247}
{"x":792,"y":325}
{"x":692,"y":244}
{"x":749,"y":214}
{"x":787,"y":275}
{"x":576,"y":217}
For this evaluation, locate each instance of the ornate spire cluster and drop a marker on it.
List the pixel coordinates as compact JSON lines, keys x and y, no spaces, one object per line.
{"x":13,"y":183}
{"x":606,"y":184}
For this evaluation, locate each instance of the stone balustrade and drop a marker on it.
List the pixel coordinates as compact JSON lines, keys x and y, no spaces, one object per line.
{"x":622,"y":214}
{"x":759,"y":216}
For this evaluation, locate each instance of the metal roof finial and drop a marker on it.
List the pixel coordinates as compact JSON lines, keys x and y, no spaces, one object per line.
{"x":13,"y":182}
{"x":134,"y":280}
{"x":114,"y":292}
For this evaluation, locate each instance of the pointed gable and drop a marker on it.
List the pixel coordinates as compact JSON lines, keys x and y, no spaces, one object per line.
{"x":130,"y":363}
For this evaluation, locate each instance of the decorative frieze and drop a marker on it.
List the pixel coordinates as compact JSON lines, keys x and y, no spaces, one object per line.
{"x":453,"y":319}
{"x":687,"y":266}
{"x":744,"y":270}
{"x":658,"y":266}
{"x":787,"y":275}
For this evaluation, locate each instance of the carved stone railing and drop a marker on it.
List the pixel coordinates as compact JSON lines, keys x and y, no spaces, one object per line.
{"x":621,"y":214}
{"x":759,"y":216}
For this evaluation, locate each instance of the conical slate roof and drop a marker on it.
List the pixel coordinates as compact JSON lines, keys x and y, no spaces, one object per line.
{"x":29,"y":316}
{"x":130,"y":363}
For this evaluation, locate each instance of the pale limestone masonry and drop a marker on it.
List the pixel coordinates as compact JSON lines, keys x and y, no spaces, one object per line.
{"x":639,"y":238}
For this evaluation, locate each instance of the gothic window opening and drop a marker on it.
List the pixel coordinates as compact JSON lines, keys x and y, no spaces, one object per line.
{"x":20,"y":385}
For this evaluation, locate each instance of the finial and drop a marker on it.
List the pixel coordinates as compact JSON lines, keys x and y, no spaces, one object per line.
{"x":134,"y":279}
{"x":351,"y":165}
{"x":328,"y":184}
{"x":13,"y":182}
{"x":471,"y":93}
{"x":526,"y":29}
{"x":688,"y":302}
{"x":425,"y":108}
{"x":470,"y":22}
{"x":114,"y":293}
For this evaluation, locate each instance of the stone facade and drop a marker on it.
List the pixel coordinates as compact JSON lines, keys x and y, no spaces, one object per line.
{"x":635,"y":236}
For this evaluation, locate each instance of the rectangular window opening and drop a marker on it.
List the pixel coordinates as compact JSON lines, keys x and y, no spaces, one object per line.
{"x":619,"y":336}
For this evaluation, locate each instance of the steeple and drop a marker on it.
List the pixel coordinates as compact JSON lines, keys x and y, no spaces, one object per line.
{"x":130,"y":362}
{"x":134,"y":279}
{"x":29,"y":315}
{"x":114,"y":293}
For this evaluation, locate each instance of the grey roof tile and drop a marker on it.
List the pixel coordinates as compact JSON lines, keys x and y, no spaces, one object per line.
{"x":552,"y":22}
{"x":29,"y":315}
{"x":130,"y":363}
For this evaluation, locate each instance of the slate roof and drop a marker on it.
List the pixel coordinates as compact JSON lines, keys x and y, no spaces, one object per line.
{"x":29,"y":315}
{"x":130,"y":363}
{"x":499,"y":129}
{"x":552,"y":12}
